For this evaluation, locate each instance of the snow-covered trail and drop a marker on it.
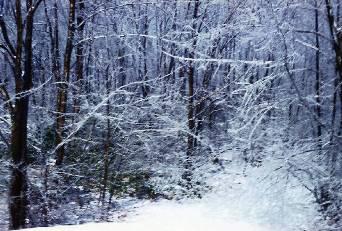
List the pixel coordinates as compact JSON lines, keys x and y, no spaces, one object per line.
{"x":168,"y":216}
{"x":252,"y":201}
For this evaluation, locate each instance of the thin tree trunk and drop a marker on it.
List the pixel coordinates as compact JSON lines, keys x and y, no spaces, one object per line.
{"x":107,"y":141}
{"x":79,"y":55}
{"x":318,"y":79}
{"x":143,"y":73}
{"x":191,"y":107}
{"x":62,"y":91}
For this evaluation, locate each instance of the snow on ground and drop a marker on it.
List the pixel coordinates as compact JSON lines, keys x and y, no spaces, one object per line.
{"x":266,"y":195}
{"x":167,"y":216}
{"x":257,"y":199}
{"x":3,"y":212}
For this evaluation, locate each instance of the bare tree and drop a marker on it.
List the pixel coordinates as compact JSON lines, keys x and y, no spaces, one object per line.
{"x":62,"y":91}
{"x":22,"y":63}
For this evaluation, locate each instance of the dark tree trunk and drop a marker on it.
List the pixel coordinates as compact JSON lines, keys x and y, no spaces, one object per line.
{"x":53,"y":30}
{"x":18,"y":183}
{"x":143,"y":72}
{"x":23,"y":83}
{"x":62,"y":91}
{"x":191,"y":107}
{"x":107,"y":141}
{"x":79,"y":55}
{"x":337,"y":46}
{"x":318,"y":80}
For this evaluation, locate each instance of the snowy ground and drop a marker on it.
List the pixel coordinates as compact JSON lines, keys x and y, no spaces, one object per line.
{"x":237,"y":203}
{"x":168,"y":216}
{"x":3,"y":212}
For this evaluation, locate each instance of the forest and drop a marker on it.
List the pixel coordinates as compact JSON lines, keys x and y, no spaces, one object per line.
{"x":107,"y":105}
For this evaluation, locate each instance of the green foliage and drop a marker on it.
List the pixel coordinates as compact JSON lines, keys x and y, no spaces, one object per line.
{"x":134,"y":184}
{"x":49,"y":138}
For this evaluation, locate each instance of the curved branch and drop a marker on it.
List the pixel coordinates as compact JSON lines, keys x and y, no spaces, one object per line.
{"x":9,"y":105}
{"x":5,"y":35}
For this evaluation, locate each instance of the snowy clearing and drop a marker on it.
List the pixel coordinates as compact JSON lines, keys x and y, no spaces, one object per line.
{"x":168,"y":216}
{"x":236,"y":203}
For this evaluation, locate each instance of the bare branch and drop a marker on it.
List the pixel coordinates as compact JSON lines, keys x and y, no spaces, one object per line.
{"x":5,"y":35}
{"x":8,"y":104}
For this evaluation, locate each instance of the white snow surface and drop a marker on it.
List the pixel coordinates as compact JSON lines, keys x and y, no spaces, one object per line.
{"x":168,"y":216}
{"x":248,"y":201}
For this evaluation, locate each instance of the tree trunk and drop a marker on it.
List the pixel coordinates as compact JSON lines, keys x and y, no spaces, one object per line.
{"x":191,"y":107}
{"x":79,"y":55}
{"x":337,"y":46}
{"x":23,"y":83}
{"x":107,"y":141}
{"x":336,"y":37}
{"x":62,"y":91}
{"x":318,"y":79}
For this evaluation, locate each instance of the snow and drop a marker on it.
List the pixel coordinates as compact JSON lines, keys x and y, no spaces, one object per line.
{"x":248,"y":200}
{"x":3,"y":211}
{"x":168,"y":216}
{"x":245,"y":204}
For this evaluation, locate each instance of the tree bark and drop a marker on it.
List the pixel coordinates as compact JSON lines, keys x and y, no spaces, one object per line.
{"x":107,"y":141}
{"x":79,"y":54}
{"x":191,"y":107}
{"x":337,"y":46}
{"x":318,"y":79}
{"x":23,"y":83}
{"x":62,"y":91}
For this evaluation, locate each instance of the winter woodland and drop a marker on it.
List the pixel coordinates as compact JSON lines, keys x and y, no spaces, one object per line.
{"x":109,"y":106}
